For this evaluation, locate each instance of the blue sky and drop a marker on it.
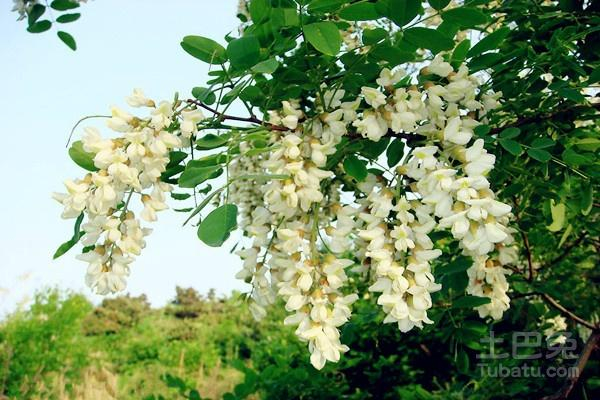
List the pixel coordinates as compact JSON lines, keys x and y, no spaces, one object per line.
{"x":46,"y":88}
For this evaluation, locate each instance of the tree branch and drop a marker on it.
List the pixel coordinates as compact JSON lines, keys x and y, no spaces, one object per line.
{"x":541,"y":117}
{"x":567,"y":250}
{"x":409,"y":137}
{"x":590,"y":345}
{"x":222,"y":117}
{"x":552,"y":301}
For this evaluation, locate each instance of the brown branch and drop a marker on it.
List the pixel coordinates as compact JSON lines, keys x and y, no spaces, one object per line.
{"x":552,"y":301}
{"x":590,"y":345}
{"x":567,"y":250}
{"x":410,"y":137}
{"x":541,"y":117}
{"x":220,"y":116}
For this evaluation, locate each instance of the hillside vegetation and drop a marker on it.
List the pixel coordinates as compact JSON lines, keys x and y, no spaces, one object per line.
{"x":201,"y":347}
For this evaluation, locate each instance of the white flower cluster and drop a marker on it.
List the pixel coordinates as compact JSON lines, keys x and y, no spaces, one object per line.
{"x":448,"y":175}
{"x":293,"y":211}
{"x":554,"y":330}
{"x":399,"y":250}
{"x":304,"y":235}
{"x":128,"y":165}
{"x":440,"y":185}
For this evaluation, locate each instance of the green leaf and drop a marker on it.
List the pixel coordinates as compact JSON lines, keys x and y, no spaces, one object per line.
{"x":470,"y":302}
{"x":215,"y":229}
{"x":40,"y":26}
{"x":542,"y":143}
{"x":35,"y":13}
{"x":360,"y":11}
{"x":565,"y":235}
{"x":571,"y":94}
{"x":192,"y":177}
{"x":439,"y":4}
{"x":324,"y":36}
{"x":476,"y":327}
{"x":259,"y":10}
{"x":244,"y":52}
{"x":511,"y":146}
{"x":324,"y":6}
{"x":399,"y":11}
{"x":355,"y":168}
{"x":66,"y":18}
{"x":589,"y":144}
{"x":204,"y":49}
{"x":180,"y":196}
{"x":68,"y":245}
{"x":482,"y":130}
{"x":372,"y":150}
{"x":462,"y":361}
{"x":211,"y":141}
{"x":393,"y":55}
{"x":253,"y":95}
{"x":284,"y":17}
{"x":266,"y":67}
{"x":175,"y":157}
{"x":82,"y":158}
{"x":204,"y":95}
{"x":63,"y":5}
{"x":67,"y":39}
{"x":372,"y":36}
{"x":510,"y":133}
{"x":574,"y":159}
{"x":232,"y":94}
{"x":460,"y":53}
{"x":587,"y":199}
{"x":428,"y":39}
{"x":484,"y":61}
{"x":558,"y":212}
{"x":594,"y":76}
{"x":540,"y":155}
{"x":394,"y":152}
{"x":490,"y":42}
{"x":464,"y":17}
{"x":460,"y":264}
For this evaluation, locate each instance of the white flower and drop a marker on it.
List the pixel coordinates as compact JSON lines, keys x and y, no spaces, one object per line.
{"x":138,"y":99}
{"x":453,"y":132}
{"x":389,"y":78}
{"x":373,"y":96}
{"x":439,"y":67}
{"x":372,"y":126}
{"x":189,"y":125}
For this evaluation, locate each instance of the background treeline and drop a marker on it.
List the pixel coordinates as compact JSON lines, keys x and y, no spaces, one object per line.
{"x":208,"y":347}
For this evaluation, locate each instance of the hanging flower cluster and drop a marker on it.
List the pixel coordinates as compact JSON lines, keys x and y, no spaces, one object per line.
{"x":305,"y":235}
{"x":127,"y":166}
{"x":304,"y":238}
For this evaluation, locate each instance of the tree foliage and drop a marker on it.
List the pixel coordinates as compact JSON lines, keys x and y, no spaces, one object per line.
{"x":296,"y":67}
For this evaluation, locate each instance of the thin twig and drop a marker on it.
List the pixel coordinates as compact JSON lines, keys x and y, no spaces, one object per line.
{"x":251,"y":119}
{"x":541,"y":117}
{"x":552,"y":301}
{"x":567,"y":250}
